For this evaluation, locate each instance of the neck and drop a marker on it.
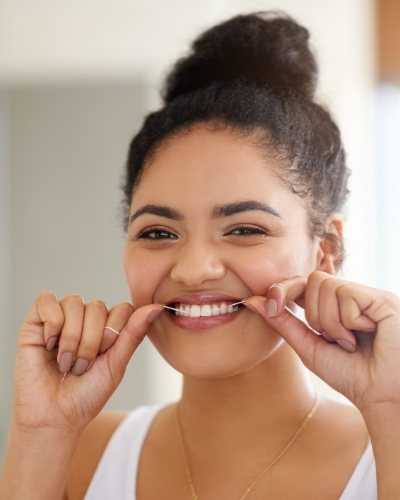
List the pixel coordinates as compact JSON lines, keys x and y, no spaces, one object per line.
{"x":267,"y":400}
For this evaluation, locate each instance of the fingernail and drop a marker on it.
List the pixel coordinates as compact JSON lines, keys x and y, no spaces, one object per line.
{"x":51,"y":343}
{"x":327,"y":337}
{"x":80,"y":366}
{"x":66,"y":362}
{"x":153,"y":315}
{"x":272,"y":308}
{"x":348,"y":346}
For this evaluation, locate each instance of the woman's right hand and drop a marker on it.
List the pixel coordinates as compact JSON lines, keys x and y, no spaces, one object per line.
{"x":95,"y":359}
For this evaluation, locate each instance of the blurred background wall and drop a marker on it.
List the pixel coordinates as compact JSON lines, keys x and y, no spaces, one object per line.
{"x":76,"y":79}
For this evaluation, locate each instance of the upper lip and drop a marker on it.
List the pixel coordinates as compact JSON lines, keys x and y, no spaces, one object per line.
{"x":204,"y":298}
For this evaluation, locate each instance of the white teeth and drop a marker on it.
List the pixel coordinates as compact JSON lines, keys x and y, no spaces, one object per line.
{"x":195,"y":311}
{"x":215,"y":309}
{"x":204,"y":310}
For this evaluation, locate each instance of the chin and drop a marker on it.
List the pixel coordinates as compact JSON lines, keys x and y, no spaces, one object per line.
{"x":210,"y":363}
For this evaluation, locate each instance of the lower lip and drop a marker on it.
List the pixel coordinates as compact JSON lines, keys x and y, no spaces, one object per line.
{"x":203,"y":322}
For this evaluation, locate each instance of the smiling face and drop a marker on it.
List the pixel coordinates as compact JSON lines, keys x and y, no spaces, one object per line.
{"x":211,"y":223}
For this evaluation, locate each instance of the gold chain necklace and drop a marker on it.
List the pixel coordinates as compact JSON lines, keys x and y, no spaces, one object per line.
{"x":189,"y":477}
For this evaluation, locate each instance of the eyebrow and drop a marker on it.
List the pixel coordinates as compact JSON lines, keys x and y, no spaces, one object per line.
{"x":242,"y":206}
{"x":159,"y":210}
{"x":218,"y":211}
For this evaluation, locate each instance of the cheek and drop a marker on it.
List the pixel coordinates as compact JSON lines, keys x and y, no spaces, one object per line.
{"x":144,"y":274}
{"x":263,"y":268}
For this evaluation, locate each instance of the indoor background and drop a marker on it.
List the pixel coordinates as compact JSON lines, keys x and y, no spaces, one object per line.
{"x":77,"y":78}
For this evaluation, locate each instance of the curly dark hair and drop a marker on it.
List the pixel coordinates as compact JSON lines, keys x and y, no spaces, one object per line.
{"x":254,"y":75}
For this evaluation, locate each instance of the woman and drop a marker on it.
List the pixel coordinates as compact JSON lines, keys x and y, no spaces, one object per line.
{"x":233,"y":194}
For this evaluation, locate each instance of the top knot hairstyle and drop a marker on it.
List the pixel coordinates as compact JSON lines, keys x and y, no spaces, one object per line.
{"x":262,"y":49}
{"x":254,"y":75}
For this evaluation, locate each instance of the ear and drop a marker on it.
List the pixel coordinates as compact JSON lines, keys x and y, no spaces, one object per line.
{"x":330,"y":251}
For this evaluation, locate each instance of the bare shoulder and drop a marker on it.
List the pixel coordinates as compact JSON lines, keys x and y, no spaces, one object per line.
{"x":345,"y":416}
{"x":336,"y":439}
{"x":89,"y":450}
{"x":339,"y":429}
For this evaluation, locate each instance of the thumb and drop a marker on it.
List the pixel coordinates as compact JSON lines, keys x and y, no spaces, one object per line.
{"x":131,"y":337}
{"x":303,"y":340}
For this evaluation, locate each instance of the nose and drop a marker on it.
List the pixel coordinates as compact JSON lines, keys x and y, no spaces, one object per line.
{"x":197,"y":263}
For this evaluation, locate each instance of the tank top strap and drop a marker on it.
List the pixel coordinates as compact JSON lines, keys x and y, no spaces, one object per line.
{"x":115,"y":475}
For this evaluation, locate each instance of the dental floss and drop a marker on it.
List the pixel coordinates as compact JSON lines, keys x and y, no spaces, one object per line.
{"x":178,"y":310}
{"x":63,"y":377}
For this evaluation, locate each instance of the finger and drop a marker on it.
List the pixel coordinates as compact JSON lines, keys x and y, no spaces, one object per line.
{"x":92,"y":333}
{"x":350,"y":309}
{"x":297,"y":334}
{"x":352,"y":319}
{"x":321,"y":312}
{"x":45,"y":319}
{"x":291,"y":290}
{"x":117,"y":319}
{"x":329,"y":314}
{"x":74,"y":311}
{"x":130,"y":338}
{"x":311,"y":303}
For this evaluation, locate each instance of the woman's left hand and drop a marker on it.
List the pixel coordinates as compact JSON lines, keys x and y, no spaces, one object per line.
{"x":366,"y":317}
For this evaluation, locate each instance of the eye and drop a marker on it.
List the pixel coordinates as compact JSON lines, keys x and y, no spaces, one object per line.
{"x":248,"y":231}
{"x":156,"y":234}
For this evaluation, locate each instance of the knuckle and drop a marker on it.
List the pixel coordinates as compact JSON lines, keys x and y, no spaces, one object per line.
{"x":46,"y":296}
{"x":326,"y":285}
{"x":123,"y":308}
{"x":49,"y":310}
{"x":98,"y":306}
{"x":72,"y":300}
{"x":344,"y":291}
{"x":126,"y":306}
{"x":312,"y":277}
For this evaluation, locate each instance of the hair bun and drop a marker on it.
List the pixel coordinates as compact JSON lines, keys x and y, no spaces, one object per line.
{"x":265,"y":48}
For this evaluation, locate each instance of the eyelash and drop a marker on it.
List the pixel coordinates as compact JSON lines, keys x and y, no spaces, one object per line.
{"x":144,"y":235}
{"x":248,"y":230}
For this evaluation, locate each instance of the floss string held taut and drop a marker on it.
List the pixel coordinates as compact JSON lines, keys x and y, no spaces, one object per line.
{"x":178,"y":310}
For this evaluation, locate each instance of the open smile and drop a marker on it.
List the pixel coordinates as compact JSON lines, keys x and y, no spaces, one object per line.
{"x":204,"y":310}
{"x":201,"y":316}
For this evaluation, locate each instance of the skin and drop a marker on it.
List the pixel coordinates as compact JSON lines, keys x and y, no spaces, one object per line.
{"x":254,"y":364}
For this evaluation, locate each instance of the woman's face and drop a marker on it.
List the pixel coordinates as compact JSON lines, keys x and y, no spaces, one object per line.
{"x":211,"y":223}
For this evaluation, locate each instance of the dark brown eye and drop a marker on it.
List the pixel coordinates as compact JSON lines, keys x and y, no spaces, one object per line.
{"x":247,"y":231}
{"x":157,"y":234}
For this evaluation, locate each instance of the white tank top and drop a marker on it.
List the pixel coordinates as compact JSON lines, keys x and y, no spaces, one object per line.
{"x":115,"y":476}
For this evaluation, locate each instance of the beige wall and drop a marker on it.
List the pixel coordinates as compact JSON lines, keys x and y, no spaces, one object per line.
{"x":6,"y":343}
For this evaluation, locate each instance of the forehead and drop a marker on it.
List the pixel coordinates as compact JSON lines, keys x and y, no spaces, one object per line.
{"x":206,"y":166}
